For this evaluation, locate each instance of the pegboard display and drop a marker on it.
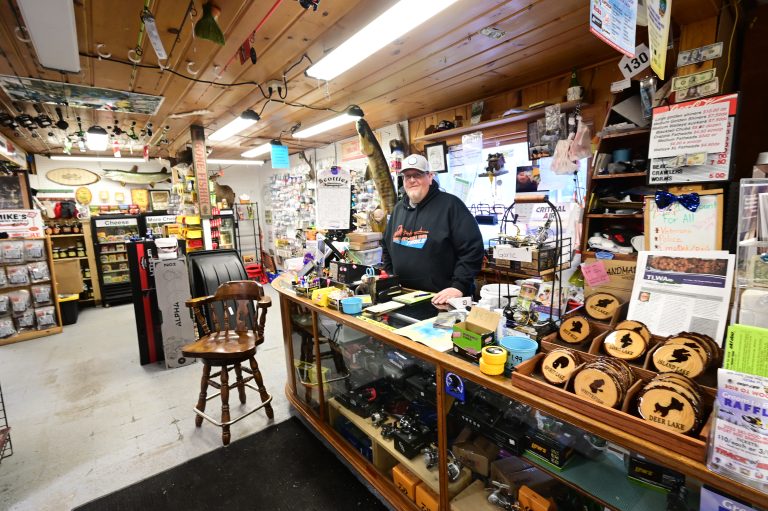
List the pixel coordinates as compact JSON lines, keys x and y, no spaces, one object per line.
{"x":291,"y":200}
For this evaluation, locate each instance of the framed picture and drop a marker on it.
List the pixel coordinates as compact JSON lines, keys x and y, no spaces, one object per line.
{"x":158,"y":199}
{"x":437,"y":156}
{"x":140,"y":197}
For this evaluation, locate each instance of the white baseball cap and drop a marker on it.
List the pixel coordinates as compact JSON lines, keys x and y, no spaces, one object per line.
{"x":415,"y":162}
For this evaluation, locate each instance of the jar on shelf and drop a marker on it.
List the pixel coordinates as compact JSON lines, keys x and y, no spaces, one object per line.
{"x":66,"y":228}
{"x":71,"y":252}
{"x":56,"y":229}
{"x":56,"y":253}
{"x":80,"y":252}
{"x":48,"y":230}
{"x":77,"y":228}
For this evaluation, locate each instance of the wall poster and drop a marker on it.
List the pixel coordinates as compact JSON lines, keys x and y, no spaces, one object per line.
{"x":334,"y":198}
{"x":613,"y":21}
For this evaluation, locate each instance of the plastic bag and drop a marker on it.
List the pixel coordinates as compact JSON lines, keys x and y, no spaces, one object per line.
{"x":25,"y":320}
{"x":20,"y":301}
{"x":5,"y":304}
{"x":17,"y":275}
{"x":561,"y":163}
{"x":12,"y":251}
{"x":41,"y":294}
{"x":39,"y":271}
{"x":3,"y":278}
{"x":581,"y":147}
{"x":6,"y":328}
{"x":34,"y":250}
{"x":46,"y":317}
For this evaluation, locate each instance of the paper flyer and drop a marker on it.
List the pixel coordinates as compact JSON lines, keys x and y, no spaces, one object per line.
{"x":740,"y":434}
{"x":334,"y":198}
{"x":613,"y":21}
{"x":683,"y":292}
{"x":425,"y":333}
{"x":745,"y":349}
{"x":659,"y":18}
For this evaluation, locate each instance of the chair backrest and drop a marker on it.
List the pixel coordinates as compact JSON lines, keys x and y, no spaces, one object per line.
{"x":208,"y":269}
{"x":238,"y":305}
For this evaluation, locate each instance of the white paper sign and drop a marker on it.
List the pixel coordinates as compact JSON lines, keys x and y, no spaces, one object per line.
{"x":334,"y":198}
{"x":614,"y":22}
{"x":689,"y":131}
{"x":620,"y":85}
{"x":629,"y":67}
{"x":510,"y":253}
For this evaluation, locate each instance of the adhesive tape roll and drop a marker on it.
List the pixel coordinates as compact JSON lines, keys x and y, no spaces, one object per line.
{"x":492,"y":369}
{"x":494,"y":355}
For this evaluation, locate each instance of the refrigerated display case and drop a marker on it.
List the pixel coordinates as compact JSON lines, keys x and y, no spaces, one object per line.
{"x":110,"y":239}
{"x":220,"y":231}
{"x":155,"y":222}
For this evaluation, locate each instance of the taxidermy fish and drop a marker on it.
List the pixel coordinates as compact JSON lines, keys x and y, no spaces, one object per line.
{"x":134,"y":177}
{"x":379,"y":169}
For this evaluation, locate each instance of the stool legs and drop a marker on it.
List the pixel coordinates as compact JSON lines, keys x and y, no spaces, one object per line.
{"x":225,"y":436}
{"x":260,"y":385}
{"x":240,"y":384}
{"x":203,"y":393}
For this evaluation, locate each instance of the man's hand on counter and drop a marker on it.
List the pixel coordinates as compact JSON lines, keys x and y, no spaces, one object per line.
{"x":446,"y":294}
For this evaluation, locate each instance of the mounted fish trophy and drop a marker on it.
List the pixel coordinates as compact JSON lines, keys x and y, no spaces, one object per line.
{"x":382,"y":180}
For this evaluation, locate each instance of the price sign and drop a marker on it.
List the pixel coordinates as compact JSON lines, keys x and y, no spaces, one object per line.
{"x":630,"y":67}
{"x":510,"y":253}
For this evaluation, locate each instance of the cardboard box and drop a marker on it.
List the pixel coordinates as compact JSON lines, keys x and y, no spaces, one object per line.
{"x":405,"y":480}
{"x":478,"y":331}
{"x":176,"y":325}
{"x":426,"y":499}
{"x":476,"y":454}
{"x":69,"y":281}
{"x":622,"y":274}
{"x":549,"y":450}
{"x":473,"y":498}
{"x":652,"y":474}
{"x":503,"y":470}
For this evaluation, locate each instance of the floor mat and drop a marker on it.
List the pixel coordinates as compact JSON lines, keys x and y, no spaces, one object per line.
{"x":284,"y":467}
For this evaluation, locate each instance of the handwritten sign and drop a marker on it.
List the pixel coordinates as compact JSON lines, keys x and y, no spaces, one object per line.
{"x":676,"y":228}
{"x":595,"y":274}
{"x":687,"y":131}
{"x":510,"y":253}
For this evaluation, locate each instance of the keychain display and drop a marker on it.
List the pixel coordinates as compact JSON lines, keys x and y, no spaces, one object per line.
{"x":34,"y":250}
{"x":46,"y":317}
{"x":39,"y":271}
{"x":12,"y":252}
{"x":41,"y":294}
{"x":17,"y":275}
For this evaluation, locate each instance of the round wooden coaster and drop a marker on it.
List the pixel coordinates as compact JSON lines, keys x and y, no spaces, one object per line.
{"x":668,"y":409}
{"x":558,"y":365}
{"x":625,"y":344}
{"x":601,"y":306}
{"x":575,"y":330}
{"x":640,"y":328}
{"x":678,"y":358}
{"x":598,"y":386}
{"x":701,"y":347}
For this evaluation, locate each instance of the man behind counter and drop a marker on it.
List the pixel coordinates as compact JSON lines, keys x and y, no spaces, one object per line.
{"x":432,"y":241}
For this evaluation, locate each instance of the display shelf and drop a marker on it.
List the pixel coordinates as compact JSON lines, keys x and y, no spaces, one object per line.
{"x":57,"y":236}
{"x":33,"y":334}
{"x":504,"y":386}
{"x":619,"y":257}
{"x":626,"y":133}
{"x":607,"y":215}
{"x":107,"y":252}
{"x":614,"y":176}
{"x":112,"y":242}
{"x":70,"y":258}
{"x":524,"y":116}
{"x":115,"y":271}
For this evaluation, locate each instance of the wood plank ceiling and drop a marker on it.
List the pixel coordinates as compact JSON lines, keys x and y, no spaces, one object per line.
{"x":443,"y":63}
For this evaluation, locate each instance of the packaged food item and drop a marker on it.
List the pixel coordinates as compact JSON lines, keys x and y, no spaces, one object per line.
{"x":34,"y":250}
{"x":25,"y":320}
{"x":12,"y":251}
{"x":46,"y":317}
{"x":39,"y":271}
{"x":3,"y":278}
{"x":5,"y":304}
{"x":20,"y":301}
{"x":41,"y":294}
{"x":6,"y":328}
{"x":17,"y":275}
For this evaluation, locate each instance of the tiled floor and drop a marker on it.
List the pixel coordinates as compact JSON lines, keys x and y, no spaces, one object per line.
{"x":88,"y":419}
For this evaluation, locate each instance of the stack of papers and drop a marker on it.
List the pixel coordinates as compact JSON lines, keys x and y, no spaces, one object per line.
{"x":413,"y":297}
{"x":383,"y":308}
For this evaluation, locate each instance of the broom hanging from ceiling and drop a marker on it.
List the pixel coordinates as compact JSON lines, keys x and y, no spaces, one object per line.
{"x":207,"y":27}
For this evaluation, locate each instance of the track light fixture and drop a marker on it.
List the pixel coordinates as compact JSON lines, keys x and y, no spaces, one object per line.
{"x":235,"y":126}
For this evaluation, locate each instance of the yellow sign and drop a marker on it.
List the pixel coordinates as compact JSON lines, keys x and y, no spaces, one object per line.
{"x":140,"y":198}
{"x":83,"y":196}
{"x":658,"y":33}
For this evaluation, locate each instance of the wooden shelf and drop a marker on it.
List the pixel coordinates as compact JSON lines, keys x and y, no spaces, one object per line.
{"x":113,"y":252}
{"x":109,"y":242}
{"x":615,"y":217}
{"x":524,"y":116}
{"x":69,"y":258}
{"x":615,"y":176}
{"x":618,"y":257}
{"x":114,"y":271}
{"x":627,"y":133}
{"x":31,"y":334}
{"x":55,"y":236}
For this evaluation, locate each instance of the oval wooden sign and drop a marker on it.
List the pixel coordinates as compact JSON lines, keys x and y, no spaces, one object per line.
{"x":72,"y":177}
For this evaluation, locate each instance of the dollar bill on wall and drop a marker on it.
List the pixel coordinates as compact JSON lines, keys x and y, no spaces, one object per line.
{"x":687,"y":81}
{"x":701,"y":54}
{"x":698,"y":91}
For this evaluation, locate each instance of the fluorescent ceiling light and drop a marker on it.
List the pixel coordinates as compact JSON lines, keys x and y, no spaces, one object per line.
{"x":352,"y":114}
{"x":51,"y":26}
{"x":235,"y":126}
{"x":215,"y":161}
{"x":62,"y":157}
{"x":400,"y":19}
{"x":256,"y":151}
{"x":96,"y":138}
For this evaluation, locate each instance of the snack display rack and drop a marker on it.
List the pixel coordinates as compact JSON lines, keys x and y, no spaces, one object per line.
{"x":110,"y":238}
{"x":34,"y":291}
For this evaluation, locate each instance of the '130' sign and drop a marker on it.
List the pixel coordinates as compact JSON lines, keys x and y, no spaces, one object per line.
{"x":631,"y":66}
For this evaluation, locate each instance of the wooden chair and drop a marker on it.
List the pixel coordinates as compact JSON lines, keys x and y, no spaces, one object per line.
{"x":230,"y":324}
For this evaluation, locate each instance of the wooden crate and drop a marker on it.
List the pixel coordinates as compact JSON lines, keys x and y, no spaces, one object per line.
{"x":527,"y":378}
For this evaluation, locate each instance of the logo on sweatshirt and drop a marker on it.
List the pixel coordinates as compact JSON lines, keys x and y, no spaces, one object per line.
{"x":413,"y":239}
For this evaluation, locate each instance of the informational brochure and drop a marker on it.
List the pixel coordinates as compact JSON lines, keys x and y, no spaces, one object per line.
{"x":683,"y":292}
{"x":613,"y":21}
{"x":739,"y":439}
{"x":659,"y":19}
{"x":334,"y":198}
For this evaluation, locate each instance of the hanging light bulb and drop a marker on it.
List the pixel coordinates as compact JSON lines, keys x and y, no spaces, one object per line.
{"x":96,"y":138}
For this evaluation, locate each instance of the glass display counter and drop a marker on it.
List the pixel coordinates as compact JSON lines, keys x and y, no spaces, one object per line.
{"x":428,"y":430}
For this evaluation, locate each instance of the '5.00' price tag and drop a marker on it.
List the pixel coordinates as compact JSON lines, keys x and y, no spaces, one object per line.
{"x":631,"y":66}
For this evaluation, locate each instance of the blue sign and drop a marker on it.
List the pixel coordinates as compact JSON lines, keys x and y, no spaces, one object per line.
{"x":454,"y":386}
{"x":280,"y":157}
